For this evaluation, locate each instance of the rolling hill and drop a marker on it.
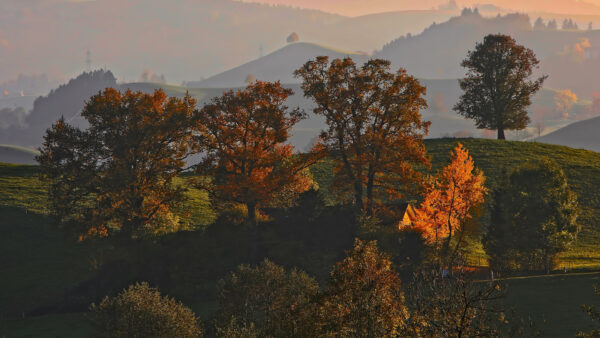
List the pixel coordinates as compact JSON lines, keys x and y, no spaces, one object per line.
{"x":582,"y":134}
{"x":52,"y":278}
{"x":277,"y":66}
{"x":441,"y":96}
{"x":17,"y":155}
{"x":569,"y":57}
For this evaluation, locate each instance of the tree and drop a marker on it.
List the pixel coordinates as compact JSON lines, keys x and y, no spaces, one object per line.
{"x":242,"y":138}
{"x":552,"y":25}
{"x":496,"y":89}
{"x":539,"y":25}
{"x":250,"y":79}
{"x":267,"y":300}
{"x":374,"y":125}
{"x":141,"y":311}
{"x":364,"y":297}
{"x":293,"y":38}
{"x":534,"y":217}
{"x":117,"y":175}
{"x":455,"y":306}
{"x":564,"y":100}
{"x":539,"y":127}
{"x":569,"y":24}
{"x":448,"y":203}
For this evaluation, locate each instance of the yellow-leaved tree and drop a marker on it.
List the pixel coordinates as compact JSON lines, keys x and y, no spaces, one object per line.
{"x":449,"y":201}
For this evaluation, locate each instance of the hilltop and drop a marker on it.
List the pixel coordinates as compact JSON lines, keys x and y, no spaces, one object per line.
{"x":569,"y":57}
{"x":582,"y":134}
{"x":442,"y":94}
{"x":277,"y":66}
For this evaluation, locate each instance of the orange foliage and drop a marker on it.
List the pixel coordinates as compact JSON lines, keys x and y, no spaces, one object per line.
{"x":450,"y":197}
{"x":374,"y":125}
{"x":243,"y":137}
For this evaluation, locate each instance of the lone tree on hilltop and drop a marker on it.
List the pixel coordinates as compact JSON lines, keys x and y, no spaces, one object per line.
{"x":242,"y":137}
{"x":117,"y":175}
{"x":374,"y":125}
{"x":496,"y":89}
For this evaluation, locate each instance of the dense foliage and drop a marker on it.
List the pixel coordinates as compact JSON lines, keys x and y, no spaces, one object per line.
{"x":497,"y":89}
{"x":117,"y":175}
{"x":534,"y":218}
{"x":364,"y":297}
{"x":141,"y":311}
{"x":267,"y":300}
{"x":242,"y":139}
{"x":374,"y":126}
{"x":448,"y":203}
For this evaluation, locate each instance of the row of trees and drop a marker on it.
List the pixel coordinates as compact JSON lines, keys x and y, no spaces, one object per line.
{"x":119,"y":175}
{"x":567,"y":24}
{"x":364,"y":298}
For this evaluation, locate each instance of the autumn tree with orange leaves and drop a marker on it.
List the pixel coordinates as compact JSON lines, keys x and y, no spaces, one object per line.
{"x":117,"y":175}
{"x":374,"y":127}
{"x":449,"y":200}
{"x":242,"y":137}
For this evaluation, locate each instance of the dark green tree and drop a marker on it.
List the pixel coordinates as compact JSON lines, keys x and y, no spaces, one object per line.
{"x":497,"y":89}
{"x":533,"y":218}
{"x":141,"y":311}
{"x":117,"y":175}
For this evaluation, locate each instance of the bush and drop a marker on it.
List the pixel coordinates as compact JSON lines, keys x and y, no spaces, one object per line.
{"x":266,"y":301}
{"x":140,"y":311}
{"x":533,"y":218}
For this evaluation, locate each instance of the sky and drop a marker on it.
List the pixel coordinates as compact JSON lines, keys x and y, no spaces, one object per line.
{"x":363,"y":7}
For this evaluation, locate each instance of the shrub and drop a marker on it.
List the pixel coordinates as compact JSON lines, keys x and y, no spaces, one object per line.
{"x":141,"y":311}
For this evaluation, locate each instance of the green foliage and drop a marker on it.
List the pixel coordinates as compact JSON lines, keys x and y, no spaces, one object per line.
{"x":497,"y":89}
{"x":267,"y":300}
{"x":118,"y":174}
{"x":140,"y":311}
{"x":581,"y":167}
{"x":533,"y":218}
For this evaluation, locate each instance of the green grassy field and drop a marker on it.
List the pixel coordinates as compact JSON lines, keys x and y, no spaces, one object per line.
{"x":44,"y":264}
{"x":582,"y":168}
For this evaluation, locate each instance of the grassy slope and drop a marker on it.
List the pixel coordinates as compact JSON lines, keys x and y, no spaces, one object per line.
{"x":44,"y":264}
{"x":582,"y":168}
{"x":554,"y":302}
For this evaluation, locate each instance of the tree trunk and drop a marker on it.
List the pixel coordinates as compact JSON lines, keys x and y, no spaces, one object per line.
{"x":501,"y":133}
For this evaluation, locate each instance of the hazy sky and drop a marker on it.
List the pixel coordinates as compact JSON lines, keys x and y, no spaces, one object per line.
{"x":362,"y":7}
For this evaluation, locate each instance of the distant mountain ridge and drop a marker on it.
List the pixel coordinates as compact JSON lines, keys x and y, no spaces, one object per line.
{"x":583,"y":134}
{"x":277,"y":66}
